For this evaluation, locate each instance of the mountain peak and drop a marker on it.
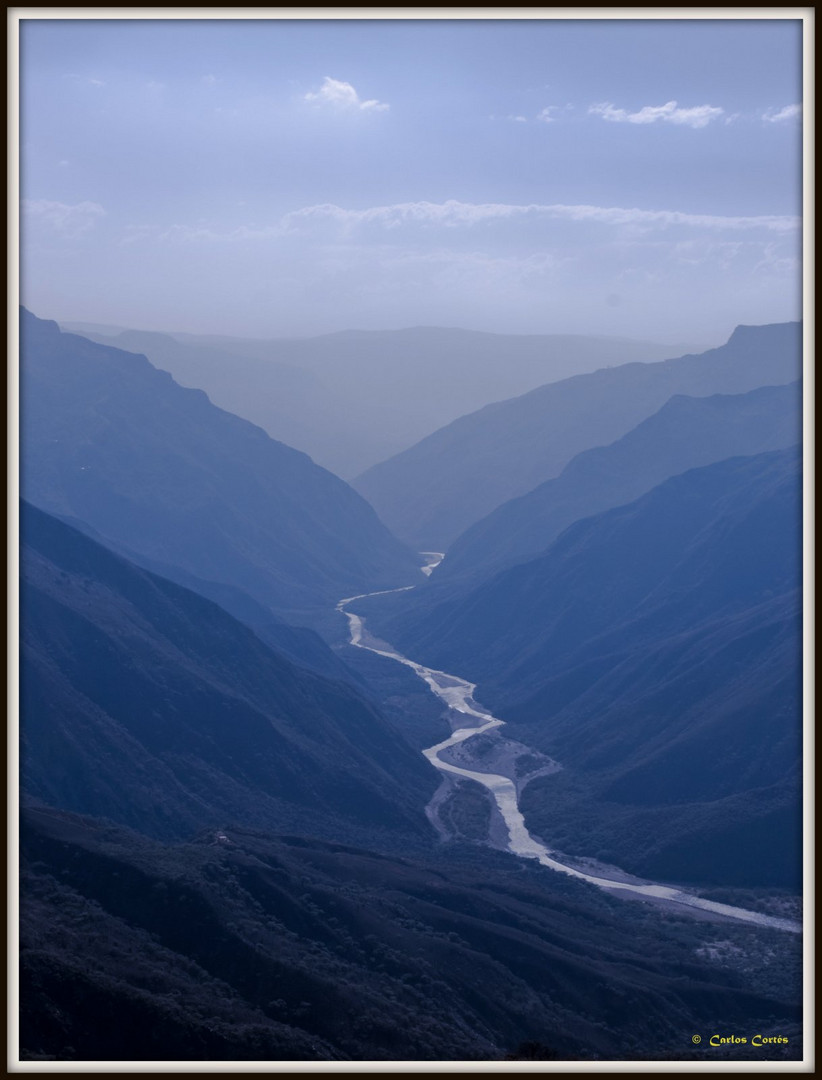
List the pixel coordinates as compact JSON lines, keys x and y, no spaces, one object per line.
{"x":745,"y":333}
{"x":45,"y":326}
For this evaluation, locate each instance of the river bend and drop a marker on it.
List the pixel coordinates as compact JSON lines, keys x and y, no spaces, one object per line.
{"x":457,"y":695}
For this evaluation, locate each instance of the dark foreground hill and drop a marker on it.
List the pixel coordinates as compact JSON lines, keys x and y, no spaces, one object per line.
{"x":354,"y":398}
{"x":434,"y":491}
{"x":686,"y":433}
{"x":655,"y":650}
{"x":246,"y":947}
{"x":145,"y":703}
{"x":110,"y":440}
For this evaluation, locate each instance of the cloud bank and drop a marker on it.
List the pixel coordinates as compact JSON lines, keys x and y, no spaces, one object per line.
{"x":698,"y":116}
{"x":452,"y":214}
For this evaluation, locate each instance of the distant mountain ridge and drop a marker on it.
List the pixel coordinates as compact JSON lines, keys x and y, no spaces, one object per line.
{"x":685,"y":433}
{"x":430,"y":494}
{"x":108,"y":439}
{"x":353,"y":398}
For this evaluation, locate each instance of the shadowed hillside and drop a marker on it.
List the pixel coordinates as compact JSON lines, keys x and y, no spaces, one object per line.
{"x":655,"y":649}
{"x":434,"y":491}
{"x":145,"y":703}
{"x":685,"y":434}
{"x":112,"y":441}
{"x":252,"y":947}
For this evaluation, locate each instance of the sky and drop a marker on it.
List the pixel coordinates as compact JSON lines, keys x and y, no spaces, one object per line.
{"x":276,"y":178}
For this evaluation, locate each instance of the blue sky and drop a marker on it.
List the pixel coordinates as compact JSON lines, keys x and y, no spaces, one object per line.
{"x":292,"y":177}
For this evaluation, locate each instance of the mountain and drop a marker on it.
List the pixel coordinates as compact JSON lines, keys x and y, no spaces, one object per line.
{"x":434,"y":491}
{"x":354,"y":398}
{"x":110,"y":440}
{"x":302,"y":646}
{"x":248,"y":947}
{"x":290,"y":402}
{"x":655,"y":651}
{"x":685,"y":433}
{"x":147,"y":704}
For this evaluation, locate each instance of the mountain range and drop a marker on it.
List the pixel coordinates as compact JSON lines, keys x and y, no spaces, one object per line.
{"x":432,"y":492}
{"x":355,"y":398}
{"x":685,"y":433}
{"x":109,"y":440}
{"x":225,"y":853}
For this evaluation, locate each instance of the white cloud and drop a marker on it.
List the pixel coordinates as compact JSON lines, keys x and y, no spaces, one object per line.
{"x":698,"y":116}
{"x":518,"y":119}
{"x":452,"y":214}
{"x":789,"y":112}
{"x":65,"y":219}
{"x":546,"y":116}
{"x":342,"y":95}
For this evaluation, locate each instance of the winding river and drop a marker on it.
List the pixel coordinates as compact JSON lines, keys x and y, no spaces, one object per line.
{"x":457,"y":694}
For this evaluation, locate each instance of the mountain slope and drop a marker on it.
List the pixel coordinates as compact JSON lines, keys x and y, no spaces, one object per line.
{"x":288,"y":401}
{"x":655,"y":650}
{"x":299,"y":644}
{"x":259,"y":948}
{"x":435,"y":490}
{"x":148,"y":704}
{"x":110,"y":440}
{"x":354,"y":398}
{"x":684,"y":434}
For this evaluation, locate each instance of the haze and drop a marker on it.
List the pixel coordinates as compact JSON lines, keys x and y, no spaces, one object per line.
{"x":289,"y":178}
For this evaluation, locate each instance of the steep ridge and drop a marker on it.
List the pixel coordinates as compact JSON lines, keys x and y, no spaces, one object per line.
{"x":145,"y":703}
{"x":285,"y":399}
{"x":437,"y":489}
{"x":655,"y":649}
{"x":354,"y":398}
{"x":685,"y":433}
{"x":112,"y":441}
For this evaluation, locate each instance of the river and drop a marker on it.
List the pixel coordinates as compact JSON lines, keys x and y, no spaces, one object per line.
{"x":458,"y":695}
